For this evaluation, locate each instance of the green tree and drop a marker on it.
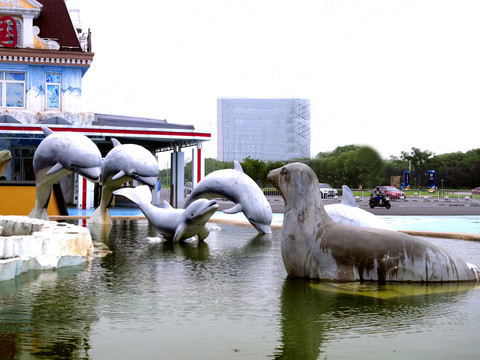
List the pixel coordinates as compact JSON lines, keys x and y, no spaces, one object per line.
{"x":417,"y":159}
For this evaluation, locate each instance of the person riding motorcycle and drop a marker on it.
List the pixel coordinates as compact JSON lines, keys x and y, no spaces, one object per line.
{"x":378,"y":195}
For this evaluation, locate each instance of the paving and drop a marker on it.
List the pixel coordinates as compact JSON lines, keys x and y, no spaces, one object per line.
{"x":410,"y":207}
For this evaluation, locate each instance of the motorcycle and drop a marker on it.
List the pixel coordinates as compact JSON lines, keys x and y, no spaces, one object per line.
{"x":383,"y":202}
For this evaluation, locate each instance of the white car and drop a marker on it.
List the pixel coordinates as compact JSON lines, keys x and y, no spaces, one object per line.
{"x":327,"y":191}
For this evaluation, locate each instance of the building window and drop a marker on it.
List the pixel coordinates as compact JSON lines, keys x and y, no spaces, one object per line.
{"x":23,"y":160}
{"x":53,"y":83}
{"x":12,"y":88}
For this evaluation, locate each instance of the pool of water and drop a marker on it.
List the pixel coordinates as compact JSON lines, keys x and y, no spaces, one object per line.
{"x":228,"y":297}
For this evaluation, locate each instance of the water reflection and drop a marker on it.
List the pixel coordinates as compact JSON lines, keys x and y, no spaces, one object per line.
{"x":223,"y":298}
{"x":315,"y":313}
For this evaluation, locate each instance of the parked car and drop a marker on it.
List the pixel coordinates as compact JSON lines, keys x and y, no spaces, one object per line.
{"x":391,"y":192}
{"x":476,"y":191}
{"x":327,"y":191}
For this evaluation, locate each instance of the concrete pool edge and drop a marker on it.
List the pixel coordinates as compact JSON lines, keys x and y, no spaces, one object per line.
{"x":435,"y":234}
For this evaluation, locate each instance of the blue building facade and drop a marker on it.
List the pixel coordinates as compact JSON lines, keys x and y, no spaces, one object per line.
{"x":263,"y":129}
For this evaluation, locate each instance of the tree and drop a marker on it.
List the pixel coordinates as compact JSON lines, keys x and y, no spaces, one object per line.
{"x":417,"y":159}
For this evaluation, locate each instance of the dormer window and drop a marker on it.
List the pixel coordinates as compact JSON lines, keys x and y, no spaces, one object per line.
{"x":10,"y":32}
{"x":53,"y":85}
{"x":12,"y":89}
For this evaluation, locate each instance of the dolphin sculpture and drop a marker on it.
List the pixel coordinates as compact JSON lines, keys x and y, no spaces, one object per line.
{"x":316,"y":247}
{"x":5,"y":157}
{"x":239,"y":188}
{"x":348,"y":213}
{"x":123,"y":163}
{"x":173,"y":224}
{"x":58,"y":155}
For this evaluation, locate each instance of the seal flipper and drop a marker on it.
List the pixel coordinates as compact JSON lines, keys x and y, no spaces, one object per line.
{"x":56,"y":168}
{"x":234,"y":209}
{"x":347,"y":196}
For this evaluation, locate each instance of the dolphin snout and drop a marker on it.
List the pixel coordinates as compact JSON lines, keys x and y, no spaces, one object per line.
{"x":92,"y":174}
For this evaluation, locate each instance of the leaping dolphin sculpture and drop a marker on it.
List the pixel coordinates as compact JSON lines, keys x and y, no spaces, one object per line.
{"x":173,"y":224}
{"x":58,"y":155}
{"x":316,"y":247}
{"x":5,"y":157}
{"x":348,"y":213}
{"x":238,"y":187}
{"x":123,"y":163}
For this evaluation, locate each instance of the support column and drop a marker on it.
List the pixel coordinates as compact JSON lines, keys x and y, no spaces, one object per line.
{"x":198,"y":165}
{"x":178,"y":178}
{"x":86,"y":193}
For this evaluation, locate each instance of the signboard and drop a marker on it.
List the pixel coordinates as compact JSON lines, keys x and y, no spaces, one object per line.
{"x":8,"y":32}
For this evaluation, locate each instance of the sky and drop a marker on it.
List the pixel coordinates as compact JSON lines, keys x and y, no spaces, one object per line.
{"x":389,"y":74}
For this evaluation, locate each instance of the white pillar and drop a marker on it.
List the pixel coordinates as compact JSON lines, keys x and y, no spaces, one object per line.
{"x":85,"y":195}
{"x":27,"y":31}
{"x":178,"y":178}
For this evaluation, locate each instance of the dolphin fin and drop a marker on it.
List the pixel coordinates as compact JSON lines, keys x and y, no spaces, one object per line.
{"x":46,"y":131}
{"x":237,"y":166}
{"x":234,"y":209}
{"x":347,"y":196}
{"x":115,"y":142}
{"x":56,"y":168}
{"x":139,"y":195}
{"x":165,"y":205}
{"x":179,"y":232}
{"x":120,"y":174}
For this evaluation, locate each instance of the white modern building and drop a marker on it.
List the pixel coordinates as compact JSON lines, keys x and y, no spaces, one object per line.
{"x":263,"y":129}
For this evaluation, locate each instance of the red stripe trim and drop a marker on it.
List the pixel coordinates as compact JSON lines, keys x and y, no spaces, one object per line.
{"x":105,"y":131}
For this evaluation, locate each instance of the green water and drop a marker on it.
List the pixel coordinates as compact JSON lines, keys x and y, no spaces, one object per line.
{"x":228,"y":297}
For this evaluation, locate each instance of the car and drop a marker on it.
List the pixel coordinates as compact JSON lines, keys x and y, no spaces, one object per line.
{"x":476,"y":191}
{"x":392,"y":192}
{"x":327,"y":191}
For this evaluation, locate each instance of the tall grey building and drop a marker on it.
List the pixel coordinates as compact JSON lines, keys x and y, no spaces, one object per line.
{"x":263,"y":129}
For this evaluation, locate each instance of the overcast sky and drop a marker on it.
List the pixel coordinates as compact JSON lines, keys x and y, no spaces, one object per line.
{"x":389,"y":74}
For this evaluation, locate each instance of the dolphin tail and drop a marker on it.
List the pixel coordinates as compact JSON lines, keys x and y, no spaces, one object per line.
{"x":139,"y":195}
{"x":100,"y":217}
{"x":347,"y":196}
{"x":39,"y":214}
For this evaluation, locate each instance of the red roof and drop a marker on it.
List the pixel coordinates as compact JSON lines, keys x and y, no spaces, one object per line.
{"x":55,"y":23}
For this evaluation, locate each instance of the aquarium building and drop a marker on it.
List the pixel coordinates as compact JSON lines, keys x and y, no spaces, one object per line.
{"x":44,"y":55}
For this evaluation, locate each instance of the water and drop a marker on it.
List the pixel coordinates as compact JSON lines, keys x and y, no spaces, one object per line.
{"x":228,"y":297}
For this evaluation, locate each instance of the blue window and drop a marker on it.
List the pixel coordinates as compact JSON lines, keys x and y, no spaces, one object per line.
{"x":53,"y":84}
{"x":12,"y":88}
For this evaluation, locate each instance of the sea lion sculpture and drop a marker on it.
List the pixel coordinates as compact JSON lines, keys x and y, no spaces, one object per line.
{"x":123,"y":163}
{"x":348,"y":213}
{"x":316,"y":247}
{"x":5,"y":157}
{"x":173,"y":224}
{"x":58,"y":155}
{"x":239,"y":188}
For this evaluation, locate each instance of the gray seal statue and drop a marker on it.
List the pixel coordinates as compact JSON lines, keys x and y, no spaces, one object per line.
{"x":239,"y":188}
{"x":316,"y":247}
{"x":5,"y":157}
{"x":123,"y":163}
{"x":173,"y":224}
{"x":58,"y":155}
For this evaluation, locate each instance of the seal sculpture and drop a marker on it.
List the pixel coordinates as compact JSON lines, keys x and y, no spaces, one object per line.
{"x":239,"y":188}
{"x":58,"y":155}
{"x":316,"y":247}
{"x":348,"y":213}
{"x":5,"y":157}
{"x":173,"y":224}
{"x":123,"y":163}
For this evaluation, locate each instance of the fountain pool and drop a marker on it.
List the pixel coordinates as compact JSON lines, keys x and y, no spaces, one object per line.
{"x":228,"y":297}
